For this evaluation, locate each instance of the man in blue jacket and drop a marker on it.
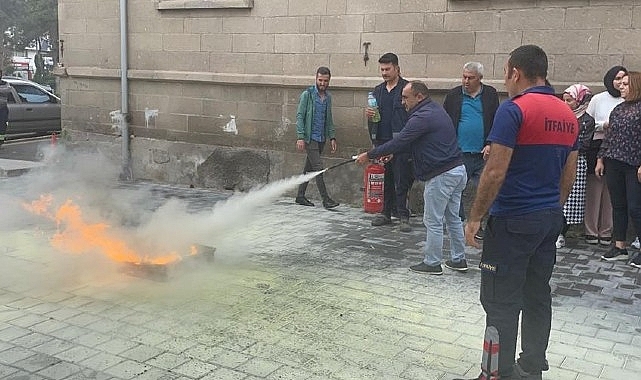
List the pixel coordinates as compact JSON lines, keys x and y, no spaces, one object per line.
{"x":315,"y":127}
{"x":430,"y":137}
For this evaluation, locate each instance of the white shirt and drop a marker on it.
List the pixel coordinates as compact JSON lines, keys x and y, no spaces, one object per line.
{"x":599,"y":108}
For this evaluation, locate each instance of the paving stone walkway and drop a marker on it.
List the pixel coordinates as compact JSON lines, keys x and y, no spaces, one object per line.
{"x":294,"y":293}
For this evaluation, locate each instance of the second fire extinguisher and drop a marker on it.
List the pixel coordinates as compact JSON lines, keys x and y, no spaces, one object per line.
{"x":374,"y":181}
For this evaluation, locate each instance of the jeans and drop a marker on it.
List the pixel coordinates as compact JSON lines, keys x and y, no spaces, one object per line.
{"x":474,"y":164}
{"x":516,"y":265}
{"x":313,"y":163}
{"x":442,"y":197}
{"x":625,"y":196}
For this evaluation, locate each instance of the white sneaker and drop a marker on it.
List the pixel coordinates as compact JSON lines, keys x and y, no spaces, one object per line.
{"x":636,"y":243}
{"x":560,"y":242}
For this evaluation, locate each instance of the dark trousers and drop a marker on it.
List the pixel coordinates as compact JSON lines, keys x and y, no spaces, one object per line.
{"x":313,"y":163}
{"x":625,"y":197}
{"x":474,"y":164}
{"x":516,"y":265}
{"x":399,"y":177}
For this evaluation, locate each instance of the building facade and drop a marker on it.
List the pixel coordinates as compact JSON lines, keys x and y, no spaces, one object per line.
{"x":213,"y":85}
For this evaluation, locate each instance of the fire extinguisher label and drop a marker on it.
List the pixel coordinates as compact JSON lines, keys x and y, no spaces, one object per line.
{"x":375,"y":187}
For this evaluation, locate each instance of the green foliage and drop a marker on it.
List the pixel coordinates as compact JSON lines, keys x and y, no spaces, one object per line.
{"x":26,"y":21}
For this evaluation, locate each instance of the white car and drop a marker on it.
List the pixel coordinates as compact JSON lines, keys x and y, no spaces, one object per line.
{"x":32,"y":108}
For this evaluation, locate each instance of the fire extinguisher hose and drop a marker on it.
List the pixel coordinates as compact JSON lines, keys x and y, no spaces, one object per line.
{"x":342,"y":163}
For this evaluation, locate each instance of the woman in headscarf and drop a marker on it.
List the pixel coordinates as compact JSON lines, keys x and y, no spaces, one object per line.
{"x":577,"y":97}
{"x":598,"y":210}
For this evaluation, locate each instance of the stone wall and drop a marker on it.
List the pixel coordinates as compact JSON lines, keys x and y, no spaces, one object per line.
{"x":195,"y":64}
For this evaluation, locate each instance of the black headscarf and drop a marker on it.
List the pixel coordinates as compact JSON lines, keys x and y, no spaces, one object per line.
{"x":609,"y":78}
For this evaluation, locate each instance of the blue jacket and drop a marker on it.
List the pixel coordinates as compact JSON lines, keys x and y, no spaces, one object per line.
{"x":430,"y":136}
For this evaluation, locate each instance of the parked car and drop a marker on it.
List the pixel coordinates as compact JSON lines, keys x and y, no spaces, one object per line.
{"x":32,"y":108}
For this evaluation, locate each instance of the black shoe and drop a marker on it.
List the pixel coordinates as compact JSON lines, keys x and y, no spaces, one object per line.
{"x":605,"y":241}
{"x":427,"y":269}
{"x":330,"y":203}
{"x":381,"y":220}
{"x":636,"y":261}
{"x":304,"y":201}
{"x":517,"y":374}
{"x":460,"y":266}
{"x":591,"y":239}
{"x":615,"y":254}
{"x":479,"y":234}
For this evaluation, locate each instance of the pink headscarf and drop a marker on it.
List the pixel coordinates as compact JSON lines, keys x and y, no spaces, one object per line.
{"x":582,"y":94}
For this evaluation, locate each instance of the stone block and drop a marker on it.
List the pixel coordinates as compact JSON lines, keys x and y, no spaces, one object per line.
{"x":264,"y":64}
{"x":426,"y":6}
{"x":442,"y":43}
{"x":533,"y":19}
{"x":312,"y":24}
{"x":412,"y":65}
{"x":106,"y":9}
{"x":576,"y":42}
{"x":226,"y":63}
{"x":203,"y":25}
{"x":253,"y":43}
{"x":473,"y":20}
{"x":220,"y":109}
{"x":373,"y":6}
{"x":337,"y":43}
{"x":353,"y":65}
{"x":451,"y":65}
{"x":73,"y":26}
{"x":573,"y":68}
{"x":598,"y":17}
{"x":154,"y":25}
{"x":259,"y":111}
{"x":408,"y":22}
{"x":434,"y":22}
{"x":185,"y":106}
{"x":104,"y":25}
{"x":398,"y":42}
{"x":171,"y":122}
{"x":306,"y":8}
{"x":336,"y":7}
{"x":145,"y":41}
{"x":215,"y":42}
{"x":341,"y":24}
{"x":619,"y":41}
{"x":294,"y":43}
{"x":80,"y":58}
{"x":497,"y":42}
{"x":234,"y":169}
{"x":478,"y":5}
{"x":243,"y":25}
{"x":181,"y":42}
{"x":284,"y":25}
{"x":304,"y":64}
{"x":272,"y":8}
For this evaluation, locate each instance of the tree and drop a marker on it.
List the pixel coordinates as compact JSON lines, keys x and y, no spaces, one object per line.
{"x":10,"y":11}
{"x":28,"y":22}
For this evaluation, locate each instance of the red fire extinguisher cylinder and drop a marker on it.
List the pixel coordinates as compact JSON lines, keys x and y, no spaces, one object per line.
{"x":374,"y":178}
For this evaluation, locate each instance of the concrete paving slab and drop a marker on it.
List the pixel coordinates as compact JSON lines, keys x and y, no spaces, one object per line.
{"x":295,"y":293}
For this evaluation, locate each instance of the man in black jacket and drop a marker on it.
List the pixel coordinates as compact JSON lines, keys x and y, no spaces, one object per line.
{"x":398,"y":171}
{"x":472,"y":107}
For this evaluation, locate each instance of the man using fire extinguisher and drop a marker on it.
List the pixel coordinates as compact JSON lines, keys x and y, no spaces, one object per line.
{"x":431,"y":138}
{"x":399,"y":177}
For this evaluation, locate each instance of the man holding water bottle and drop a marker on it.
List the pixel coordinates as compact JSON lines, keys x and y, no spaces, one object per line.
{"x":399,"y":174}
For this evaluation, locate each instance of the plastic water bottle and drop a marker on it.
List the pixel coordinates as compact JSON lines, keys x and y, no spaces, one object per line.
{"x":371,"y":102}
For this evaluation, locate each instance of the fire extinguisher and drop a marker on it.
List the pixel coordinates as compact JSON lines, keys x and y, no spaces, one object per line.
{"x":374,"y":178}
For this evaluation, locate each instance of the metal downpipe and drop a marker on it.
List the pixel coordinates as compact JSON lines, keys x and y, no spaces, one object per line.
{"x":126,"y":173}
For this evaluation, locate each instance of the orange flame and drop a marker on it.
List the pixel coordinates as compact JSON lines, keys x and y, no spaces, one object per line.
{"x":77,"y":236}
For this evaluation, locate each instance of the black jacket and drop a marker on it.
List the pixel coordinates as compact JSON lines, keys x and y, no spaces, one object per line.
{"x":489,"y":98}
{"x":399,"y":115}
